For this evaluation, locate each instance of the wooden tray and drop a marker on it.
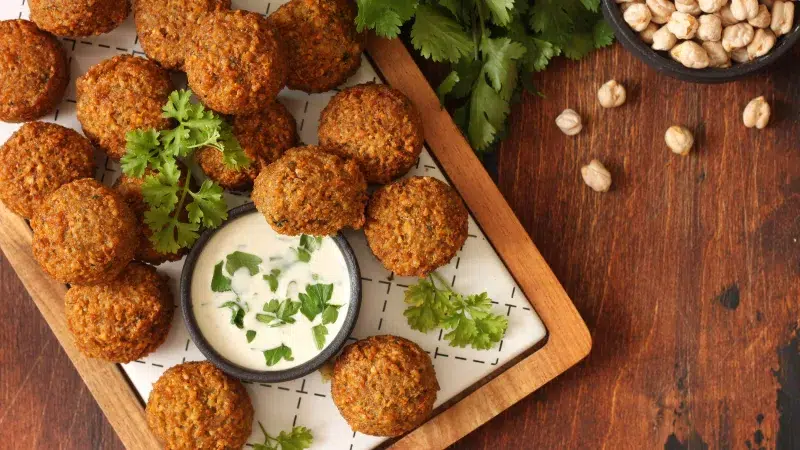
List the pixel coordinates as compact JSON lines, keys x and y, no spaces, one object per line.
{"x":568,"y":338}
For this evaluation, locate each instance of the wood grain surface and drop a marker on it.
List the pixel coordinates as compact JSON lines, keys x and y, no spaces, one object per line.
{"x":687,"y":272}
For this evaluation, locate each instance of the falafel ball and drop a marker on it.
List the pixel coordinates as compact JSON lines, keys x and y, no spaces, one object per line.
{"x":416,"y":225}
{"x":264,"y":137}
{"x":311,"y":191}
{"x":84,"y":233}
{"x":124,"y":319}
{"x":377,"y":126}
{"x":122,"y":94}
{"x":130,"y":188}
{"x":79,"y":18}
{"x":384,"y":385}
{"x":33,"y":71}
{"x":39,"y":158}
{"x":236,"y":63}
{"x":323,"y":45}
{"x":195,"y":405}
{"x":164,"y":26}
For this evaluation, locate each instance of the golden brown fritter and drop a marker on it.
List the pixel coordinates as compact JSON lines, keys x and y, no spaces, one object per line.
{"x":384,"y":385}
{"x":415,"y":226}
{"x":122,"y":94}
{"x":165,"y":26}
{"x":323,"y":45}
{"x":77,"y":18}
{"x":122,"y":320}
{"x":236,"y":63}
{"x":264,"y":137}
{"x":38,"y":159}
{"x":310,"y":191}
{"x":33,"y":71}
{"x":130,"y":188}
{"x":84,"y":233}
{"x":195,"y":405}
{"x":375,"y":125}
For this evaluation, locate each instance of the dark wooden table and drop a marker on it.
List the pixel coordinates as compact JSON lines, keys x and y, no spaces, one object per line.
{"x":687,"y":272}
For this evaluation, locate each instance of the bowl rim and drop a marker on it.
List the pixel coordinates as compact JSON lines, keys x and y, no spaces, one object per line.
{"x":634,"y":44}
{"x":274,"y":376}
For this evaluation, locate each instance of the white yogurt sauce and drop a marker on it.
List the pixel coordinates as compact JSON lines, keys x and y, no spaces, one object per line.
{"x":251,"y":234}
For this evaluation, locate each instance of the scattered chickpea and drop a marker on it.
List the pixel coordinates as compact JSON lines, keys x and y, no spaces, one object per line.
{"x":727,"y":16}
{"x":717,"y":55}
{"x":737,"y":36}
{"x":740,"y":55}
{"x":688,"y":7}
{"x":611,"y":94}
{"x":661,"y":10}
{"x":782,"y":17}
{"x":569,"y":122}
{"x":709,"y":28}
{"x":763,"y":41}
{"x":638,"y":16}
{"x":757,"y":113}
{"x":744,"y":9}
{"x":679,"y":139}
{"x":691,"y":55}
{"x":711,"y":6}
{"x":596,"y":176}
{"x":763,"y":19}
{"x":663,"y":39}
{"x":682,"y":25}
{"x":647,"y":33}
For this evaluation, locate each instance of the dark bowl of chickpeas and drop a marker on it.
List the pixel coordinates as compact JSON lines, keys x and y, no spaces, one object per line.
{"x":705,"y":41}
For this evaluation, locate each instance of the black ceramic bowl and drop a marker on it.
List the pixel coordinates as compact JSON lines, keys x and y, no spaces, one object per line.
{"x":274,"y":376}
{"x":664,"y":64}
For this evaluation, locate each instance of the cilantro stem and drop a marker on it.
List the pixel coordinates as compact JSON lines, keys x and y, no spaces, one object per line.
{"x":436,"y":276}
{"x":176,"y":217}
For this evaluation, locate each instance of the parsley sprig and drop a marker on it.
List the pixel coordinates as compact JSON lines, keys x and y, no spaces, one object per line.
{"x":176,"y":210}
{"x":433,"y":304}
{"x":491,"y":46}
{"x":299,"y":438}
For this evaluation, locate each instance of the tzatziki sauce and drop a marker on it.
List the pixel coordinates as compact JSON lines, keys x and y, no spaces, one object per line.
{"x":265,"y":301}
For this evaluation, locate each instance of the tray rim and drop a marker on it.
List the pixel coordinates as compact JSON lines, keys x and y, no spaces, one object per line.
{"x":568,"y":342}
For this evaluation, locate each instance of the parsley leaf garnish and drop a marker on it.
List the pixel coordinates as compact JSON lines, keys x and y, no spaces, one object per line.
{"x":219,"y":282}
{"x":315,"y":299}
{"x":237,"y":313}
{"x":300,"y":438}
{"x":273,"y":356}
{"x":176,"y":210}
{"x":251,"y":334}
{"x":469,"y":318}
{"x":278,"y":313}
{"x":237,"y":260}
{"x":319,"y":332}
{"x":272,"y":279}
{"x":308,"y":245}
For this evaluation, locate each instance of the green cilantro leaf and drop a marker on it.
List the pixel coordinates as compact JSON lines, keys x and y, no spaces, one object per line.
{"x":272,"y":279}
{"x":320,"y":332}
{"x":299,"y":438}
{"x":384,"y":16}
{"x":142,"y":150}
{"x":330,"y":314}
{"x":447,"y":85}
{"x":278,"y":313}
{"x":237,"y":313}
{"x":315,"y":299}
{"x":439,"y":37}
{"x":219,"y":282}
{"x":275,"y":355}
{"x":308,"y":245}
{"x":428,"y":306}
{"x":169,"y":235}
{"x":499,"y":56}
{"x":500,"y":10}
{"x":208,"y":207}
{"x":162,"y":190}
{"x":237,"y":260}
{"x":250,"y":336}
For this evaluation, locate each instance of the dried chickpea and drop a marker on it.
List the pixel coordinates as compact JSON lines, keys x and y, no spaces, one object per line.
{"x":763,"y":19}
{"x":569,"y":122}
{"x":709,"y":28}
{"x":740,"y":55}
{"x":756,"y":113}
{"x":663,"y":39}
{"x":763,"y":42}
{"x":638,"y":16}
{"x":717,"y":55}
{"x":647,"y":33}
{"x":782,"y":17}
{"x":682,"y":25}
{"x":727,"y":16}
{"x":711,"y":6}
{"x":679,"y":139}
{"x":737,"y":36}
{"x":691,"y":55}
{"x":744,"y":9}
{"x":596,"y":176}
{"x":688,"y":7}
{"x":611,"y":94}
{"x":661,"y":9}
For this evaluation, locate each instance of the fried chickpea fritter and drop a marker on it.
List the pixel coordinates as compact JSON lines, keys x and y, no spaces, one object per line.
{"x":122,"y":320}
{"x":38,"y":159}
{"x":195,"y":405}
{"x":375,"y":125}
{"x":323,"y":45}
{"x":79,"y":18}
{"x":130,"y":188}
{"x":415,"y":226}
{"x":122,"y":94}
{"x":384,"y":385}
{"x":33,"y":71}
{"x":236,"y":63}
{"x":84,"y":233}
{"x":165,"y":26}
{"x":310,"y":191}
{"x":264,"y":137}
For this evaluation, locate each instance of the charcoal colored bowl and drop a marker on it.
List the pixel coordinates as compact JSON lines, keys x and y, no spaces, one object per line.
{"x":271,"y":376}
{"x":661,"y":61}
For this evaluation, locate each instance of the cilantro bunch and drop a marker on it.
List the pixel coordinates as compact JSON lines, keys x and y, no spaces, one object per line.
{"x":493,"y":47}
{"x":469,"y":318}
{"x":176,"y":210}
